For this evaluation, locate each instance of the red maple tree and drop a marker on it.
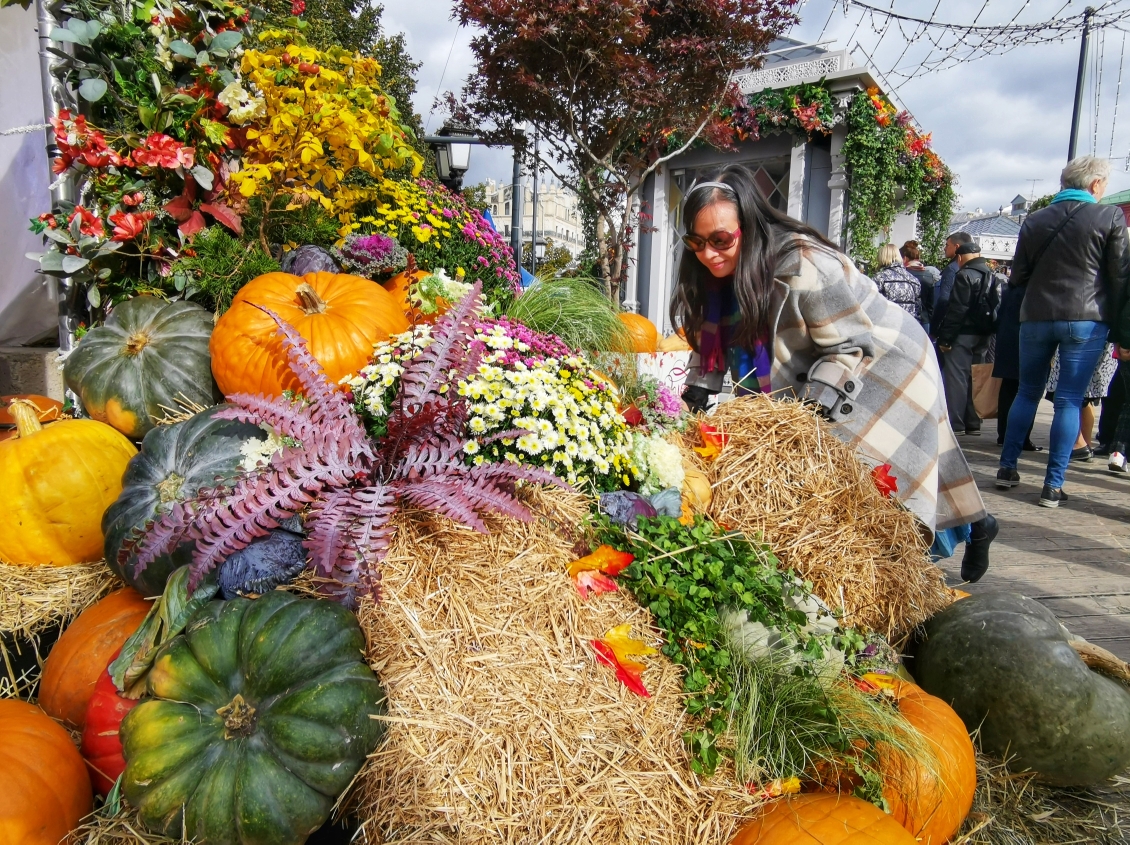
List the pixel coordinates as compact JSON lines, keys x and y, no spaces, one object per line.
{"x":608,"y":85}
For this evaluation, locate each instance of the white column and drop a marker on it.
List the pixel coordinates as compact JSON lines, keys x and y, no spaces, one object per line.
{"x":796,"y":178}
{"x":838,"y":184}
{"x":632,"y":280}
{"x":660,"y":282}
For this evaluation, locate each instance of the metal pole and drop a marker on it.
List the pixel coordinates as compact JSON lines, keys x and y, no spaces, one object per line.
{"x":55,"y":98}
{"x":516,"y":207}
{"x":1077,"y":111}
{"x":534,"y":236}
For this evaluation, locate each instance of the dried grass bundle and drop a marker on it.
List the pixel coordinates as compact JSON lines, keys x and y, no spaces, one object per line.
{"x":1015,"y":809}
{"x":32,"y":599}
{"x":502,"y":727}
{"x":785,"y":475}
{"x":123,"y":829}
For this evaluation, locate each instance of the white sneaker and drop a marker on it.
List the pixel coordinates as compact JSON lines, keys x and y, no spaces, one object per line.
{"x":1117,"y":462}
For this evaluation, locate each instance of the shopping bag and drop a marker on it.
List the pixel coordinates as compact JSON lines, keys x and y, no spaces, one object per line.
{"x":986,"y":391}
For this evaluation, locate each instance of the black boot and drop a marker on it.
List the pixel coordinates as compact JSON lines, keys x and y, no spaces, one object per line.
{"x":975,"y":563}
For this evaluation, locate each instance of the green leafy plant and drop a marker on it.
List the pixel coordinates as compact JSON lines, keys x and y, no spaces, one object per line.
{"x":576,"y":310}
{"x":217,"y":266}
{"x":687,"y":576}
{"x":790,"y":719}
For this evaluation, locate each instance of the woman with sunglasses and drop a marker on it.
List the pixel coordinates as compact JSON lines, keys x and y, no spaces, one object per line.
{"x":777,"y":305}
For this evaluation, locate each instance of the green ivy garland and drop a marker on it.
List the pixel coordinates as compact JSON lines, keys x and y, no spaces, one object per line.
{"x":884,"y":153}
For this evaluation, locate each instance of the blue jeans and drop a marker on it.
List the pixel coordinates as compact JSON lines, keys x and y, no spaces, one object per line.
{"x":1080,"y":344}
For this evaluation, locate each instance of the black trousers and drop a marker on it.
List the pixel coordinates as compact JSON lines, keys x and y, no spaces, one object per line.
{"x":1009,"y":387}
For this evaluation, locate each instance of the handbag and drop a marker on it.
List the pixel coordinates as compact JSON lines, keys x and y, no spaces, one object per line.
{"x":986,"y":391}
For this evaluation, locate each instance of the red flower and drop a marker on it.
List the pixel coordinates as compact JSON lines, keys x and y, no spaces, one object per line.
{"x":884,"y":481}
{"x":297,"y":7}
{"x":49,"y":220}
{"x":128,"y":225}
{"x":162,"y":151}
{"x":90,"y":224}
{"x":134,"y":199}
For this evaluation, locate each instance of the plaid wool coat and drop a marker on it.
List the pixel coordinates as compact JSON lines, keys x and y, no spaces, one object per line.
{"x":837,"y":341}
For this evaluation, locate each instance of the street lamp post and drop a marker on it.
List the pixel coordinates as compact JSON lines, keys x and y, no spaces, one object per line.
{"x":453,"y":158}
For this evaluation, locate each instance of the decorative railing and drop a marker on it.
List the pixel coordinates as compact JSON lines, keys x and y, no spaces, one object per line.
{"x":791,"y":73}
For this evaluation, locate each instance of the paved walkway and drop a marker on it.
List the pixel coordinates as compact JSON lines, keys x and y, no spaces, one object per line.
{"x":1074,"y":558}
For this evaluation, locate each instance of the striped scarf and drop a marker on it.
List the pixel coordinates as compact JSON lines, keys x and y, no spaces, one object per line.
{"x":749,"y":369}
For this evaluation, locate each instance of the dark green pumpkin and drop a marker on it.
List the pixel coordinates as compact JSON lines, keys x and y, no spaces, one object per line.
{"x":175,"y":461}
{"x":149,"y":356}
{"x":258,"y":721}
{"x":1004,"y":663}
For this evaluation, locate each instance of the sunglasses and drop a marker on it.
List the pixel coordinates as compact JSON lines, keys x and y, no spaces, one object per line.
{"x":716,"y":240}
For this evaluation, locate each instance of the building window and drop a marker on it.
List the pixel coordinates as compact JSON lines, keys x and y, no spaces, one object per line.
{"x":507,"y":211}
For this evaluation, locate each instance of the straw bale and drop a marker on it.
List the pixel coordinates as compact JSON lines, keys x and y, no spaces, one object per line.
{"x":502,"y":727}
{"x":785,"y":475}
{"x":32,"y":599}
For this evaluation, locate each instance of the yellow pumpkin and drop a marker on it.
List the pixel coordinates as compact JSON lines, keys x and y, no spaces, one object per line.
{"x":55,"y":483}
{"x":340,"y":316}
{"x":673,"y":343}
{"x":642,"y":332}
{"x":696,"y":487}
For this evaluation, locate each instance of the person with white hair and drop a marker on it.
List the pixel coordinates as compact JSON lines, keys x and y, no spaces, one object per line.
{"x":1073,"y":261}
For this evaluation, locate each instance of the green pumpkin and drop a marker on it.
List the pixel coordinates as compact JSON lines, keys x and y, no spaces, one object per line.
{"x":149,"y":356}
{"x":260,"y":716}
{"x":1005,"y":664}
{"x":175,"y":462}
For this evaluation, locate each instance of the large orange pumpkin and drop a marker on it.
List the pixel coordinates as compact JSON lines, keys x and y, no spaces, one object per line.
{"x":84,"y":651}
{"x":823,"y":819}
{"x":340,"y":316}
{"x":930,"y":807}
{"x":44,"y":788}
{"x":643,"y":334}
{"x":46,"y":409}
{"x":55,"y":484}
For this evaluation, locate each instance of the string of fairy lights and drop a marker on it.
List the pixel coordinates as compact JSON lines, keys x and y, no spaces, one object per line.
{"x":931,"y":44}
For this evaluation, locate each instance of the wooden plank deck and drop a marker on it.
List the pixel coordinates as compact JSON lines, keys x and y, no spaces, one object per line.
{"x":1075,"y":558}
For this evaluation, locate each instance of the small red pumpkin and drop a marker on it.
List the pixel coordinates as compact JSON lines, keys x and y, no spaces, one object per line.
{"x":101,"y":744}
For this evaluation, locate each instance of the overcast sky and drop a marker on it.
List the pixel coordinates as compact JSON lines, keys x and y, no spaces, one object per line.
{"x":999,"y":122}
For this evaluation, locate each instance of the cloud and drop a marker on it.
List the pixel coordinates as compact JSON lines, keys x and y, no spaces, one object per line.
{"x":999,"y":122}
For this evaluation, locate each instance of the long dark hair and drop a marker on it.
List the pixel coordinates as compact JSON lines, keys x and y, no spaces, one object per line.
{"x":762,"y":248}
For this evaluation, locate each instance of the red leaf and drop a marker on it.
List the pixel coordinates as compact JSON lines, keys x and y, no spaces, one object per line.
{"x":180,"y":209}
{"x":193,"y":224}
{"x":632,"y":415}
{"x":224,"y":215}
{"x":884,"y":481}
{"x":629,"y":678}
{"x":590,"y":581}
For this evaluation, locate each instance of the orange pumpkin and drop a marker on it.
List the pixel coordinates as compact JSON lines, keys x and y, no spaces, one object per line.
{"x":822,"y":819}
{"x":340,"y":316}
{"x":46,"y":408}
{"x":643,"y":334}
{"x":931,"y":808}
{"x":84,"y":651}
{"x":44,"y":788}
{"x":400,"y":286}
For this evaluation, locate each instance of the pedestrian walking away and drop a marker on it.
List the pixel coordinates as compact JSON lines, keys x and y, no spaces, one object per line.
{"x":777,"y":305}
{"x":1072,"y":258}
{"x":963,"y":335}
{"x":898,"y":284}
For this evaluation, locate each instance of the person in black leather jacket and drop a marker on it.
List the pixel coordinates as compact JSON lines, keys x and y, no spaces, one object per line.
{"x":1072,"y":259}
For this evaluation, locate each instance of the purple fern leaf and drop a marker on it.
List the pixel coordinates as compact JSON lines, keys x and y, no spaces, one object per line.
{"x":160,"y":537}
{"x":281,"y":414}
{"x":509,"y":471}
{"x":328,"y":536}
{"x":444,"y":497}
{"x":328,"y":403}
{"x":449,"y":350}
{"x":424,"y":459}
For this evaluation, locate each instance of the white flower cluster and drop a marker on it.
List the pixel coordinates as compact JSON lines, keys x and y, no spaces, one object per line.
{"x":242,"y":105}
{"x":660,"y":463}
{"x":258,"y":453}
{"x":572,"y":426}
